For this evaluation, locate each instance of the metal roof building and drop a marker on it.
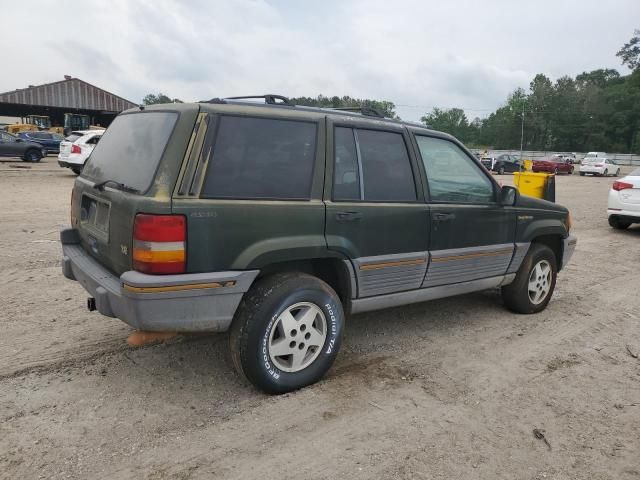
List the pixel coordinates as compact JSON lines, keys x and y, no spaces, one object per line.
{"x":70,"y":95}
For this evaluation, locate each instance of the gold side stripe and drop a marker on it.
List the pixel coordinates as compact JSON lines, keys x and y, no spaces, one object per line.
{"x":178,"y":288}
{"x":472,"y":255}
{"x":403,"y":263}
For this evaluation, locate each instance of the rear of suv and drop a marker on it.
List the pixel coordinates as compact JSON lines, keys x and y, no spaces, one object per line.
{"x":273,"y":222}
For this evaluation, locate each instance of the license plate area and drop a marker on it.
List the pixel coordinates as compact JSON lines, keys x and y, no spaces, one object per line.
{"x":94,"y":216}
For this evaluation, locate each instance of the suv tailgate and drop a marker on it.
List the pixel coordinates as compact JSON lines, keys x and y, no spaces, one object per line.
{"x":139,"y":157}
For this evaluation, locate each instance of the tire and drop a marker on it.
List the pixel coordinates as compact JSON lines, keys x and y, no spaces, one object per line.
{"x":582,"y":174}
{"x":76,"y":170}
{"x":555,"y":171}
{"x":606,"y":172}
{"x":617,"y":173}
{"x":259,"y":327}
{"x":32,"y":155}
{"x":571,"y":171}
{"x":501,"y":171}
{"x":617,"y":224}
{"x":517,"y":296}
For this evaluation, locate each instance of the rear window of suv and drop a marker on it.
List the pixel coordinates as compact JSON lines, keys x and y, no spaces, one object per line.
{"x":261,"y":158}
{"x":130,"y":149}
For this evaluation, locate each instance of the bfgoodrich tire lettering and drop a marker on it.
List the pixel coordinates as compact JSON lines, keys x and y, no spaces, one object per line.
{"x":261,"y":309}
{"x":533,"y":273}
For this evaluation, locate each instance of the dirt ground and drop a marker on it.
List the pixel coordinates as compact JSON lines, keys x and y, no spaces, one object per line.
{"x":449,"y":389}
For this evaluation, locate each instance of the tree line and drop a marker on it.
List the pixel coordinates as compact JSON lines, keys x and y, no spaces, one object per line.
{"x":595,"y":111}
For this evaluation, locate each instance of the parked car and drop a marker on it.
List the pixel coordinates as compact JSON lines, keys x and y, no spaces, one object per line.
{"x":570,"y":157}
{"x":507,"y":163}
{"x":274,"y":221}
{"x":624,"y":201}
{"x":50,"y":141}
{"x":552,"y":164}
{"x":12,"y":146}
{"x":597,"y":163}
{"x":76,"y":148}
{"x":488,"y":161}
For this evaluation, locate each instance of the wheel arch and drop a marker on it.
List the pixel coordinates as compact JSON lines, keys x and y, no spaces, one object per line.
{"x":337,"y":272}
{"x":554,"y":242}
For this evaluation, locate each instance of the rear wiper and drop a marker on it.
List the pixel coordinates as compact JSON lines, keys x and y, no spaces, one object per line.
{"x":120,"y":186}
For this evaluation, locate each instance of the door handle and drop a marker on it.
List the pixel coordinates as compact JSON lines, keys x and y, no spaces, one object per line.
{"x":348,"y":216}
{"x":443,"y":217}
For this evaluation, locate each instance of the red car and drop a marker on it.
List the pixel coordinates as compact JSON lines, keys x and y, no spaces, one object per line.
{"x":553,"y":164}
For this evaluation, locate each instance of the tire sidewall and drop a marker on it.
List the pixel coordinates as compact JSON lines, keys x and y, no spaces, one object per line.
{"x":259,"y":366}
{"x":538,"y":255}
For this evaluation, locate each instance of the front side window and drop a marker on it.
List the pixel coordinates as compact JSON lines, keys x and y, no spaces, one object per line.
{"x":264,"y":158}
{"x":453,"y":176}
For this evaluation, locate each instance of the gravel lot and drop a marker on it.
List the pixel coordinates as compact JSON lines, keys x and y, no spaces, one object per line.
{"x":448,"y":389}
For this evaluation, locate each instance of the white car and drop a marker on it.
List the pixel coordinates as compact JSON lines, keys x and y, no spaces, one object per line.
{"x":76,"y":148}
{"x":624,"y":201}
{"x":597,"y":163}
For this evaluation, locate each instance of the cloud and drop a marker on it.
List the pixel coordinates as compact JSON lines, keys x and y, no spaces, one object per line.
{"x":415,"y":53}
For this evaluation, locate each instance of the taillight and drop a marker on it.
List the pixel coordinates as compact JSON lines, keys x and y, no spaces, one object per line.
{"x":617,"y":185}
{"x":76,"y":149}
{"x":159,"y":243}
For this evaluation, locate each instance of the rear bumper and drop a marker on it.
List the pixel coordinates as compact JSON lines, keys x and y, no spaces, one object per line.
{"x":632,"y":216}
{"x":198,"y":302}
{"x":568,"y":247}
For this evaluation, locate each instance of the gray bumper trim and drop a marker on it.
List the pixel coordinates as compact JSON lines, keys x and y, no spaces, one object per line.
{"x":568,"y":247}
{"x":209,"y":306}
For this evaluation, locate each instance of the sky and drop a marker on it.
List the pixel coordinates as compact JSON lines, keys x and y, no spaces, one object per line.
{"x":417,"y":54}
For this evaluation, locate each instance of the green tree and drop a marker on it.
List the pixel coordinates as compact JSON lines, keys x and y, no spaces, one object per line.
{"x":630,"y":52}
{"x":452,"y":121}
{"x":152,"y":99}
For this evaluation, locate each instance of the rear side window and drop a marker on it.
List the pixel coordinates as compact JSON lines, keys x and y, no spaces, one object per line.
{"x":346,"y":177}
{"x":260,"y":158}
{"x":372,"y":165}
{"x":129,"y":151}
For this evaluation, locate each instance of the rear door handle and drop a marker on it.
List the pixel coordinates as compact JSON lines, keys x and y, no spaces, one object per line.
{"x":443,"y":217}
{"x":348,"y":216}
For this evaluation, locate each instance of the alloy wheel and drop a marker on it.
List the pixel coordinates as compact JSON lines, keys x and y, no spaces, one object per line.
{"x":540,"y":282}
{"x":297,"y":337}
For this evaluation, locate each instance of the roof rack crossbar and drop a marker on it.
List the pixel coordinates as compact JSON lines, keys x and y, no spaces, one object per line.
{"x":364,"y":110}
{"x":269,"y":98}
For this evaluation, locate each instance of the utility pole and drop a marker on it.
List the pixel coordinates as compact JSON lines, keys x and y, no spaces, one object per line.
{"x":522,"y":132}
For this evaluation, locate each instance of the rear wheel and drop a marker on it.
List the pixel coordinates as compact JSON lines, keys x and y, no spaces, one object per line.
{"x":287,"y":332}
{"x":76,"y":170}
{"x":606,"y":172}
{"x":531,"y":290}
{"x":32,"y":155}
{"x":616,"y":223}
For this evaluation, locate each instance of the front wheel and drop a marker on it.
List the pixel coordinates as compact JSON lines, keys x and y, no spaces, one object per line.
{"x":286,"y":332}
{"x":531,"y":290}
{"x":617,"y":173}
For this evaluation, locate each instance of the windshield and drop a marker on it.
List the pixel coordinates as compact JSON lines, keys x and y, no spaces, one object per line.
{"x":130,"y":149}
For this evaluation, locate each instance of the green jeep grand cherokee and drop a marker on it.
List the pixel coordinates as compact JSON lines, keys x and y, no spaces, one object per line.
{"x":272,"y":221}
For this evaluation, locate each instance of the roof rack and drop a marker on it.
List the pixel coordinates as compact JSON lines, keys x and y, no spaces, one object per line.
{"x":364,"y":110}
{"x":269,"y":98}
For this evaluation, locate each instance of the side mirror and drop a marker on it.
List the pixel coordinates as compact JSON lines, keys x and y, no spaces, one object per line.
{"x":508,"y":196}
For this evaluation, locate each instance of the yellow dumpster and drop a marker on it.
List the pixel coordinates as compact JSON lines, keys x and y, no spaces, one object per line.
{"x":528,"y":165}
{"x":538,"y":185}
